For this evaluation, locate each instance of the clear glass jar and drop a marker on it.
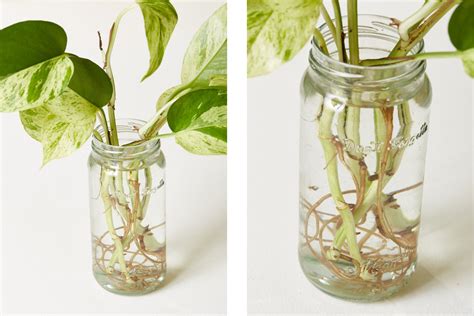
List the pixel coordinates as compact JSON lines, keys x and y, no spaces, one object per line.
{"x":362,"y":160}
{"x":127,"y":204}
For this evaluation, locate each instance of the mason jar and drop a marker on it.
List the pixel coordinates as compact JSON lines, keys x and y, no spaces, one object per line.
{"x":363,"y":141}
{"x":127,"y":209}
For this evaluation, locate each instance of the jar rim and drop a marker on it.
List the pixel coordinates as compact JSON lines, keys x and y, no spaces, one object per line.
{"x":378,"y":24}
{"x":129,"y":151}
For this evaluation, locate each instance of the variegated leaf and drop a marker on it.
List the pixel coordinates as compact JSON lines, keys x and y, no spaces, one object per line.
{"x":62,"y":125}
{"x":468,"y":60}
{"x":160,"y":20}
{"x":207,"y":135}
{"x":277,"y":30}
{"x":28,"y":43}
{"x":35,"y":85}
{"x":206,"y":55}
{"x":199,"y":121}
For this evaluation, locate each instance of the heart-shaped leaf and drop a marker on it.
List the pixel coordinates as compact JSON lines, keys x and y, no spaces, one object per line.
{"x":29,"y":43}
{"x":461,"y":30}
{"x":160,"y":20}
{"x":35,"y":69}
{"x":35,"y":85}
{"x":206,"y":55}
{"x":276,"y":31}
{"x":461,"y":26}
{"x":91,"y":82}
{"x":62,"y":125}
{"x":199,"y":121}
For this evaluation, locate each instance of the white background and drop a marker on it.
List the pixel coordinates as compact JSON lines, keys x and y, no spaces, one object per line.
{"x":443,"y":281}
{"x":46,"y":260}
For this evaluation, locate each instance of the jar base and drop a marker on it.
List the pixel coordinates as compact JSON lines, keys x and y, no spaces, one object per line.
{"x":320,"y":276}
{"x":117,"y":286}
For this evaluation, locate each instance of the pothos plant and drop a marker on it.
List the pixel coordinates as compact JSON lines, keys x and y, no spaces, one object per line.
{"x":60,"y":97}
{"x":279,"y":29}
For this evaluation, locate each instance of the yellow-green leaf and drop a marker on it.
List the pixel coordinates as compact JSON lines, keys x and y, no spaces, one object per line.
{"x":160,"y":20}
{"x":62,"y":125}
{"x":199,"y":121}
{"x":206,"y":55}
{"x":35,"y":85}
{"x":276,"y":31}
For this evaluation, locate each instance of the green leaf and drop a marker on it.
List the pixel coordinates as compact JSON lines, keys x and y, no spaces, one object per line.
{"x":276,"y":31}
{"x":199,"y":121}
{"x":35,"y":85}
{"x":468,"y":60}
{"x":62,"y":125}
{"x":206,"y":55}
{"x":218,"y":81}
{"x":168,"y":95}
{"x":28,"y":43}
{"x":35,"y":69}
{"x":461,"y":26}
{"x":91,"y":82}
{"x":160,"y":20}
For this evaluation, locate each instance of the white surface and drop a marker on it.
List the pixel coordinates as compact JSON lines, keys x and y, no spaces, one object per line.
{"x":443,"y":282}
{"x":46,"y":257}
{"x":237,"y":175}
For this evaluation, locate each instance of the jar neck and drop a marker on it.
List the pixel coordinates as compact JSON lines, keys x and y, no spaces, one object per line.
{"x":127,"y":130}
{"x":376,"y":40}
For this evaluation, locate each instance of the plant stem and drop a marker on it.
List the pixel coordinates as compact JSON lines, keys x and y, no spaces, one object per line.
{"x":97,"y":135}
{"x":110,"y":225}
{"x":339,"y":36}
{"x":320,"y":40}
{"x":330,"y":154}
{"x":103,"y":122}
{"x":328,"y":20}
{"x":353,"y":31}
{"x":428,"y":7}
{"x":152,"y":127}
{"x":108,"y":69}
{"x":422,"y":56}
{"x":404,"y":47}
{"x":396,"y":155}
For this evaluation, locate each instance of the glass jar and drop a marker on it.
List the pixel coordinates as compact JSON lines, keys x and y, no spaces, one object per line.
{"x":362,"y":160}
{"x":127,"y":204}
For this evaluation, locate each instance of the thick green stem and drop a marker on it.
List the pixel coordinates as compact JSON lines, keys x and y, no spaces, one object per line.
{"x":428,"y":7}
{"x":103,"y":123}
{"x":133,"y":212}
{"x":330,"y":154}
{"x":108,"y":69}
{"x":339,"y":36}
{"x":321,"y":41}
{"x":352,"y":10}
{"x":422,"y":56}
{"x":395,"y":158}
{"x":404,"y":47}
{"x":106,"y":198}
{"x":327,"y":18}
{"x":153,"y":126}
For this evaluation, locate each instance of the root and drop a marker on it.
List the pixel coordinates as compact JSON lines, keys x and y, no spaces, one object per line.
{"x":386,"y":261}
{"x":144,"y":269}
